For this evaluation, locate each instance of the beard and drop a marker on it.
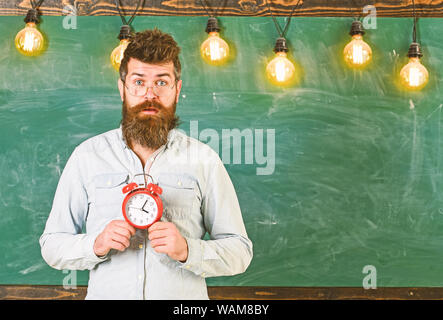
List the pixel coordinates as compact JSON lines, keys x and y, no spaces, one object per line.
{"x":148,"y":130}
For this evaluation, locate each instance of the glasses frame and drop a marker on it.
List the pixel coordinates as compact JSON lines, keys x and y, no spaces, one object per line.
{"x":147,"y":89}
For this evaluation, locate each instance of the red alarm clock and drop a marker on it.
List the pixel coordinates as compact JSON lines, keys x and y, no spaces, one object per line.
{"x":142,"y":206}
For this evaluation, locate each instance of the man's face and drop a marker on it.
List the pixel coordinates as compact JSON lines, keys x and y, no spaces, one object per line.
{"x":149,"y":73}
{"x":147,"y":119}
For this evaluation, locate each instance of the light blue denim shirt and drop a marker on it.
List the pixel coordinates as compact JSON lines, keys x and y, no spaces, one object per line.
{"x":198,"y":197}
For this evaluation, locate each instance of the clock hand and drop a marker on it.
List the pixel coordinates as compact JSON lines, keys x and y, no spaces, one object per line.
{"x":135,"y":208}
{"x":143,"y":207}
{"x":139,"y":209}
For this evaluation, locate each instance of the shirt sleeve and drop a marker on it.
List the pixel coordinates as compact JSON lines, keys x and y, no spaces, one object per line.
{"x":229,"y":250}
{"x":63,"y":245}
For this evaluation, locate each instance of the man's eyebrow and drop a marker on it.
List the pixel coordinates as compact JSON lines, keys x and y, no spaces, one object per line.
{"x":136,"y":74}
{"x":167,"y":74}
{"x":157,"y":75}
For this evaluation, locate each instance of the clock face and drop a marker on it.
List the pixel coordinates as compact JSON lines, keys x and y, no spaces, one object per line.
{"x":141,"y":210}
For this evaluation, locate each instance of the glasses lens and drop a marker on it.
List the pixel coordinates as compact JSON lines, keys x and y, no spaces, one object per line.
{"x":161,"y":90}
{"x":141,"y":91}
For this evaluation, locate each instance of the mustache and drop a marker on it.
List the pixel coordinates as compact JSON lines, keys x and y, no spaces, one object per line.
{"x":145,"y":105}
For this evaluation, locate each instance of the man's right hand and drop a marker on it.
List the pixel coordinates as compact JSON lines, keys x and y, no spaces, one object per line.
{"x":116,"y":235}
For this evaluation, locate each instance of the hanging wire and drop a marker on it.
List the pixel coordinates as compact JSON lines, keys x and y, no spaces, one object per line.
{"x":34,"y":6}
{"x":354,"y":12}
{"x":281,"y":32}
{"x":214,"y":11}
{"x":117,"y":3}
{"x":414,"y":30}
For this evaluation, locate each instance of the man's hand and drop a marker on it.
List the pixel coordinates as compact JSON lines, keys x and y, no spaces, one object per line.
{"x":165,"y":238}
{"x":116,"y":235}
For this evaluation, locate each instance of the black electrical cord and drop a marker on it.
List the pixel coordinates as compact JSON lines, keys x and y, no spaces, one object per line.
{"x":414,"y":48}
{"x":214,"y":11}
{"x":355,"y":12}
{"x":414,"y":30}
{"x":117,"y":3}
{"x":33,"y":15}
{"x":281,"y":32}
{"x":36,"y":6}
{"x":125,"y":30}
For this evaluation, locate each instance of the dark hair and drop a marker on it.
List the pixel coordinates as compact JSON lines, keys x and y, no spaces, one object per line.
{"x":151,"y":46}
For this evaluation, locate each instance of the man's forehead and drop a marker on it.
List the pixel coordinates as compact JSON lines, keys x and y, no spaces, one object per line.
{"x":141,"y":68}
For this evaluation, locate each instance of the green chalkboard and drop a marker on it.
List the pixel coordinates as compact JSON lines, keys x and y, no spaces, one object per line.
{"x":357,"y":175}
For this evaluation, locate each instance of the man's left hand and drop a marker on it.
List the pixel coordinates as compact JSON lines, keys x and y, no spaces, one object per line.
{"x":165,"y":238}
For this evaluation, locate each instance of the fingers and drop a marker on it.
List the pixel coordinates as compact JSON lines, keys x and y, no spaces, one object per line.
{"x":123,"y":232}
{"x":159,"y":237}
{"x":160,"y":225}
{"x":160,"y":242}
{"x":161,"y":249}
{"x":123,"y":225}
{"x":120,"y":233}
{"x":117,"y":246}
{"x":166,"y":238}
{"x":161,"y":233}
{"x":156,"y":234}
{"x":116,"y":235}
{"x":121,"y":241}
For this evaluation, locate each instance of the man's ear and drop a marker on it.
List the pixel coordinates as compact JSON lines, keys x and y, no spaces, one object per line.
{"x":121,"y":88}
{"x":179,"y":87}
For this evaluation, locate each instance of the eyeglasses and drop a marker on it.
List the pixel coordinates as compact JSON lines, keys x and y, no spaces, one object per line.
{"x":139,"y":88}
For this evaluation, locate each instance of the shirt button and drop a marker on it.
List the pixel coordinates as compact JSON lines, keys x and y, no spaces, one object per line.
{"x":140,"y":246}
{"x":187,"y":267}
{"x":140,"y":276}
{"x":179,"y":183}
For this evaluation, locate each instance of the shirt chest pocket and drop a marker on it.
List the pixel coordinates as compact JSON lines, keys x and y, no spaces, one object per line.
{"x":178,"y":196}
{"x":108,"y":194}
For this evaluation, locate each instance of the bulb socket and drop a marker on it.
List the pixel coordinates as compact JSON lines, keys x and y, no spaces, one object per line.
{"x":414,"y":51}
{"x":212,"y":25}
{"x":280,"y":45}
{"x":32,"y":16}
{"x":356,"y":28}
{"x":125,"y":32}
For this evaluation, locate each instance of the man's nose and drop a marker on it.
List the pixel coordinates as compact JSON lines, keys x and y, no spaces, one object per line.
{"x":150,"y":94}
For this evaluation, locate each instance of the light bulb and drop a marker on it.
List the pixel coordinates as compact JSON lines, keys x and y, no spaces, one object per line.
{"x":118,"y":52}
{"x":357,"y":53}
{"x":414,"y":75}
{"x":214,"y":50}
{"x":280,"y":70}
{"x":29,"y":41}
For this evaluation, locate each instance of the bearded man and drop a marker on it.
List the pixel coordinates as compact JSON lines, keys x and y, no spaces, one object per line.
{"x":201,"y":233}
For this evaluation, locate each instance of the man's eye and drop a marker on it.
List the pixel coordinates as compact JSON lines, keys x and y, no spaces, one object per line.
{"x":138,"y":82}
{"x":161,"y":83}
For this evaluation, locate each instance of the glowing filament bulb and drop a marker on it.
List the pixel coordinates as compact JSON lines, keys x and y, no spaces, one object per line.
{"x":29,"y":41}
{"x":280,"y":70}
{"x":214,"y":50}
{"x":414,"y":75}
{"x":118,"y":52}
{"x":357,"y":53}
